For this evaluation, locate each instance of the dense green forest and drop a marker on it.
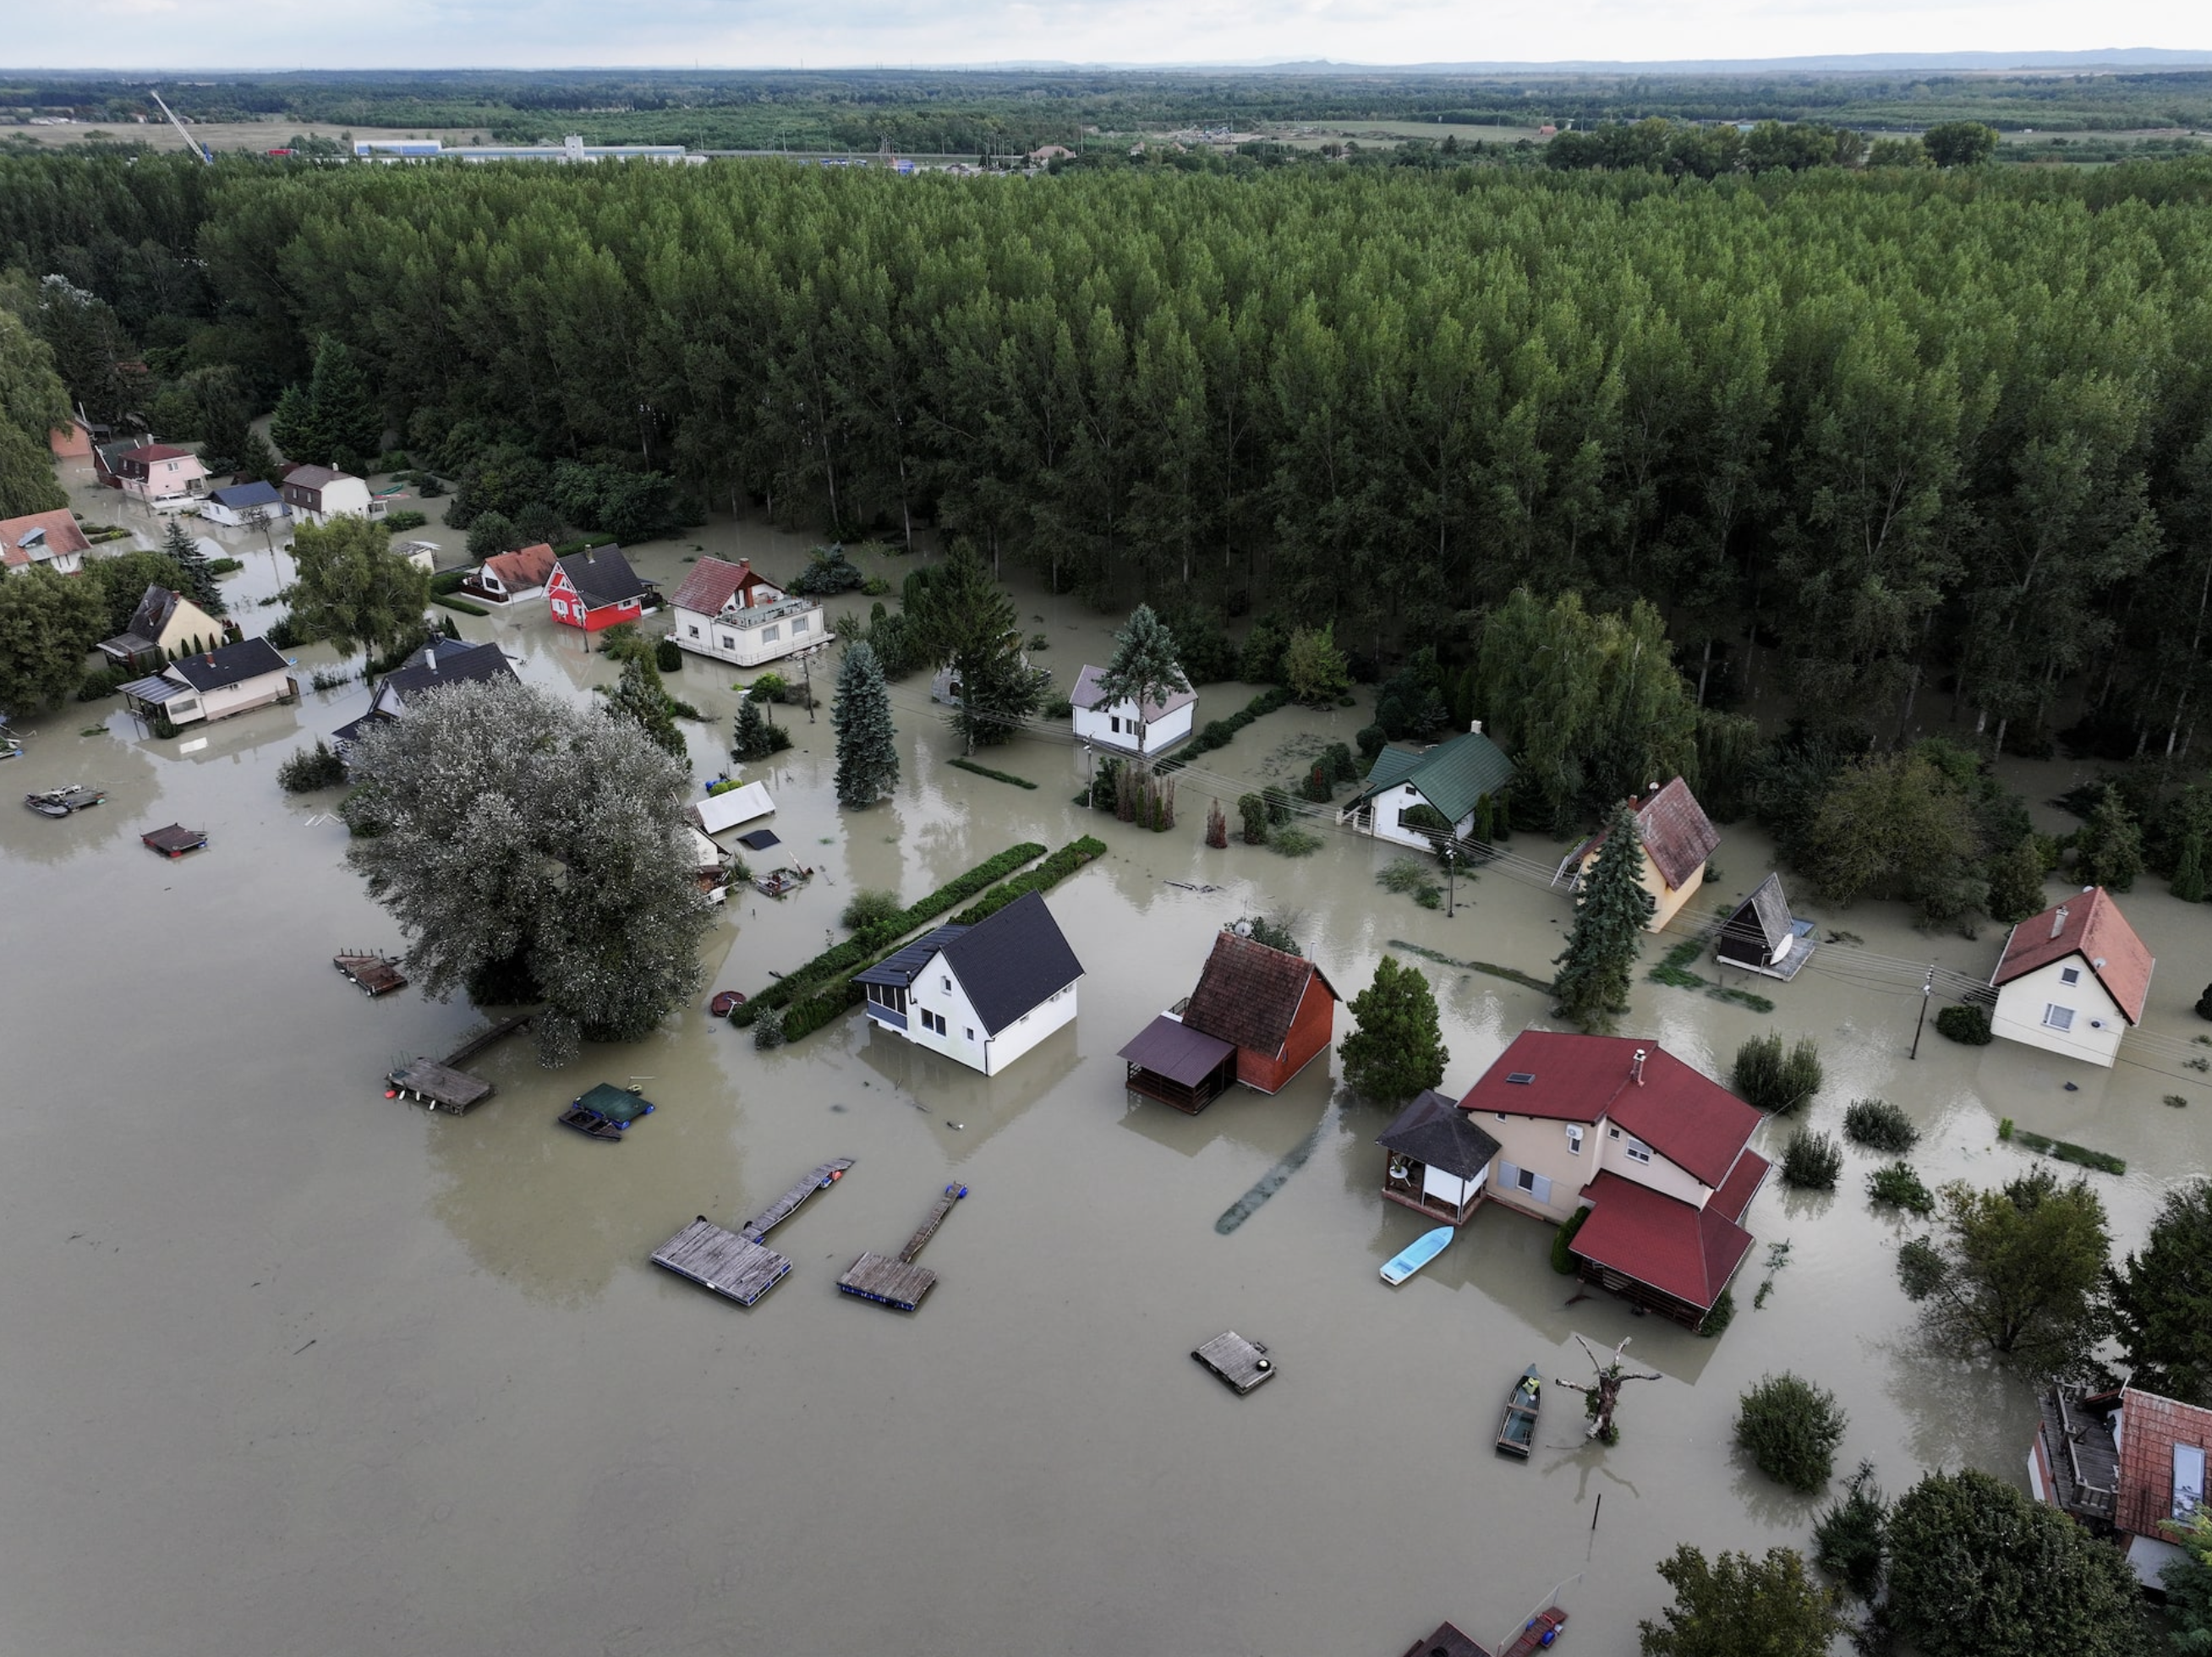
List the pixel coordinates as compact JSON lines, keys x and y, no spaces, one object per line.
{"x":1860,"y":436}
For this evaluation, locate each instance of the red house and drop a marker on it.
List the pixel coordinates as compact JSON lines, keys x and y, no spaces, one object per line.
{"x":1258,"y":1017}
{"x":597,"y":589}
{"x":2129,"y":1465}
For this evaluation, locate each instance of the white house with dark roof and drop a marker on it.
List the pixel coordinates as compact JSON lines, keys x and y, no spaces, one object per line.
{"x":318,"y":493}
{"x":214,"y":684}
{"x":244,"y":505}
{"x":983,"y":995}
{"x":2072,"y":979}
{"x":440,"y":663}
{"x":1115,"y":725}
{"x":733,"y":613}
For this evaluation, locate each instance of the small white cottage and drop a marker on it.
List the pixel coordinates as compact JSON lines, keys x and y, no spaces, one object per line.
{"x":2072,"y":979}
{"x":1115,"y":725}
{"x":984,"y":994}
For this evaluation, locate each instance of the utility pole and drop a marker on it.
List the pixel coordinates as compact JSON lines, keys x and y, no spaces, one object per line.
{"x":1927,"y":990}
{"x":1450,"y":910}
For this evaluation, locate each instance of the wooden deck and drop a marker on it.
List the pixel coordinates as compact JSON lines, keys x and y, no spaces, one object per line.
{"x":788,"y":1203}
{"x":483,"y":1039}
{"x":376,"y":974}
{"x":1532,"y":1637}
{"x":1446,"y":1642}
{"x":899,"y":1283}
{"x":737,"y":1264}
{"x":1242,"y":1365}
{"x":438,"y":1086}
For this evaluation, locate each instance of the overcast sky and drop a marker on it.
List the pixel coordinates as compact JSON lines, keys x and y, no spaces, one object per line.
{"x":176,"y":35}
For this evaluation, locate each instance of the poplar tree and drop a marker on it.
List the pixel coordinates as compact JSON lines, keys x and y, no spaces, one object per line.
{"x":1144,"y":669}
{"x":1595,"y":968}
{"x":860,"y":711}
{"x":197,"y":576}
{"x":1397,"y":1050}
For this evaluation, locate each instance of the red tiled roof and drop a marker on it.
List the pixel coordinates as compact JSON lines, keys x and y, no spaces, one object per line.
{"x":1249,"y":994}
{"x":63,"y":535}
{"x":712,"y":583}
{"x":2092,"y":926}
{"x":2150,"y":1426}
{"x":1742,"y":1185}
{"x":149,"y":451}
{"x":527,"y":566}
{"x":1687,"y":1117}
{"x":1663,"y":1243}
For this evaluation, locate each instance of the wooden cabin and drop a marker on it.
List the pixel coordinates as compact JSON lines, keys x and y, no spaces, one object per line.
{"x":1439,"y":1158}
{"x":1185,"y":1069}
{"x":1277,"y":1011}
{"x":1761,"y":937}
{"x":1677,"y":838}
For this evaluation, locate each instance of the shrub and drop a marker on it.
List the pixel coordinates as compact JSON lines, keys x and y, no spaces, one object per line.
{"x":1850,"y":1536}
{"x":1253,"y":810}
{"x":1563,"y":1243}
{"x":768,"y":1028}
{"x":1722,"y":1315}
{"x":1049,"y":873}
{"x":447,"y":581}
{"x":828,"y":572}
{"x":225,"y":566}
{"x":1791,"y":1429}
{"x":668,"y":656}
{"x":1812,"y":1162}
{"x":1316,"y":787}
{"x":461,"y":604}
{"x":1899,"y":1187}
{"x":1060,"y":708}
{"x":311,"y":768}
{"x":405,"y":519}
{"x":870,"y":906}
{"x":1372,"y":740}
{"x":1294,"y":842}
{"x":1967,"y":1024}
{"x":284,"y":634}
{"x":1880,"y":1125}
{"x":2204,"y":1002}
{"x":1278,"y":804}
{"x":1769,"y":1079}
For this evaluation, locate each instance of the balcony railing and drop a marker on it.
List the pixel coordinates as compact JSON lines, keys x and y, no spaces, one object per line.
{"x":765,"y":615}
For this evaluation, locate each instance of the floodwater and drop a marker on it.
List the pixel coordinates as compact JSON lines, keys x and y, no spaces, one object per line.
{"x":291,"y":1367}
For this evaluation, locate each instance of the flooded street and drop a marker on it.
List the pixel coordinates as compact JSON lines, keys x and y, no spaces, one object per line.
{"x":292,"y":1367}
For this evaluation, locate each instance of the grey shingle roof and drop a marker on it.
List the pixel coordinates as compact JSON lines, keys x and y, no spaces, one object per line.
{"x":1013,"y":961}
{"x":898,"y":971}
{"x":231,"y":665}
{"x":1433,"y":1130}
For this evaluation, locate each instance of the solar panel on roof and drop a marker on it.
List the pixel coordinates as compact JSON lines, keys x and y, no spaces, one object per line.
{"x":1522,"y":1076}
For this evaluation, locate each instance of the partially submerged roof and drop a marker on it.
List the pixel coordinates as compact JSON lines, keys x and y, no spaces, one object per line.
{"x":1677,"y":834}
{"x":1249,"y":994}
{"x":238,"y":496}
{"x":713,"y":582}
{"x":732,"y":806}
{"x":1451,"y":775}
{"x":2151,"y":1427}
{"x":315,"y":477}
{"x":898,"y":971}
{"x":445,"y":662}
{"x":2092,"y":926}
{"x":1682,"y":1251}
{"x":1012,"y":961}
{"x":1087,"y":694}
{"x":1684,"y":1115}
{"x":603,"y":576}
{"x":1434,"y":1131}
{"x":218,"y":670}
{"x":1170,"y":1048}
{"x":527,"y":566}
{"x":1768,"y":910}
{"x":40,"y":535}
{"x":155,"y":608}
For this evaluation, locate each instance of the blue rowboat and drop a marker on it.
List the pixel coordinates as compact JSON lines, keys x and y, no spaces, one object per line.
{"x":1417,"y":1253}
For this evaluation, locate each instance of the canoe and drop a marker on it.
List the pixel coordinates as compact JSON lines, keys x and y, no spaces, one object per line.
{"x":1517,"y":1432}
{"x":1417,"y":1253}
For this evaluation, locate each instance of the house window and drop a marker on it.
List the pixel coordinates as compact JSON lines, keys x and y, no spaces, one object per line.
{"x":933,"y":1022}
{"x":1574,"y":1140}
{"x":971,"y":1032}
{"x":2071,"y":975}
{"x":728,"y":643}
{"x":798,"y":625}
{"x":1638,"y":1152}
{"x":946,"y":983}
{"x":1114,"y":720}
{"x":693,"y":631}
{"x":2057,"y":1017}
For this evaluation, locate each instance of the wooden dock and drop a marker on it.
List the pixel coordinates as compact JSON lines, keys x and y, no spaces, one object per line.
{"x":442,"y":1082}
{"x":483,"y":1039}
{"x":1242,"y":1365}
{"x":374,"y":973}
{"x":737,"y":1264}
{"x":1446,"y":1642}
{"x":1538,"y":1634}
{"x":900,"y":1284}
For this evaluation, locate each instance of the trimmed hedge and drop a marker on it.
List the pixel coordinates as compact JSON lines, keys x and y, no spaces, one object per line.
{"x":1049,"y":873}
{"x":1219,"y":733}
{"x":858,"y":949}
{"x":461,"y":604}
{"x":448,"y":581}
{"x":985,"y":771}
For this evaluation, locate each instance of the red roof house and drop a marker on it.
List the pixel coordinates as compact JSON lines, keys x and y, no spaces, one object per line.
{"x":2127,"y":1464}
{"x":1657,"y":1150}
{"x":1259,"y":1015}
{"x":733,"y":613}
{"x":509,"y":577}
{"x":49,"y":538}
{"x":2073,"y":979}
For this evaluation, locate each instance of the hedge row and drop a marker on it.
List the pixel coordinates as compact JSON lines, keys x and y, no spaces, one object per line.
{"x":1049,"y":873}
{"x":859,"y":949}
{"x":836,"y":999}
{"x":1219,"y":733}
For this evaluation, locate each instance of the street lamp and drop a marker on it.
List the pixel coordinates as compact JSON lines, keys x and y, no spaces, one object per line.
{"x":1450,"y":908}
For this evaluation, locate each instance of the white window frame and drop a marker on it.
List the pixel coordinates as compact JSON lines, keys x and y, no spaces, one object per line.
{"x":1637,"y":1152}
{"x":1574,"y":1139}
{"x":2055,"y":1017}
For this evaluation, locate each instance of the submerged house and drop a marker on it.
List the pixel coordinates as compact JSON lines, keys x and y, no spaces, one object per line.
{"x":1450,"y":779}
{"x":214,"y":684}
{"x":597,"y":589}
{"x":315,"y":495}
{"x":1677,"y":837}
{"x":983,"y":994}
{"x":1763,"y":937}
{"x":1657,"y":1152}
{"x":243,"y":504}
{"x":165,"y":624}
{"x":1115,"y":725}
{"x":1440,"y":1158}
{"x":508,"y":578}
{"x":43,"y":540}
{"x":442,"y":662}
{"x":158,"y":476}
{"x":1258,"y":1017}
{"x":733,"y":613}
{"x":2072,"y":979}
{"x":2128,"y":1464}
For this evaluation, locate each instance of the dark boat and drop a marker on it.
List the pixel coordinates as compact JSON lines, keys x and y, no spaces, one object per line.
{"x":1516,"y":1433}
{"x":591,"y":1124}
{"x":61,"y":802}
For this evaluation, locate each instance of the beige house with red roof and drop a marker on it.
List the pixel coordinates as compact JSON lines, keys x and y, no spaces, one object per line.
{"x":2126,"y":1463}
{"x":51,"y":540}
{"x":510,"y":577}
{"x":2072,"y":979}
{"x":1677,"y":837}
{"x":733,"y":613}
{"x":1659,"y":1153}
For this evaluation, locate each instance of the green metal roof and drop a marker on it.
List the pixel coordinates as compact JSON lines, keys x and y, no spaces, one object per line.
{"x":1451,"y":776}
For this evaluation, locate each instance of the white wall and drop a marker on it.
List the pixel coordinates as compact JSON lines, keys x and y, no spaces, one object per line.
{"x":248,"y":693}
{"x":2021,"y":1005}
{"x":1391,"y":806}
{"x":718,"y":636}
{"x":1096,"y":725}
{"x":1031,"y":1028}
{"x":937,"y":989}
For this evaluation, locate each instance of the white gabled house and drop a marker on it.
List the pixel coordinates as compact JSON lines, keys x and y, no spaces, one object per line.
{"x":214,"y":684}
{"x":734,"y":613}
{"x":1115,"y":725}
{"x":2072,"y":979}
{"x":242,"y":505}
{"x":984,"y":994}
{"x":316,"y":495}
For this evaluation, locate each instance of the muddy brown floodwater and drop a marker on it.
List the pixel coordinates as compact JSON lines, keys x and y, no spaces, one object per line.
{"x":291,"y":1367}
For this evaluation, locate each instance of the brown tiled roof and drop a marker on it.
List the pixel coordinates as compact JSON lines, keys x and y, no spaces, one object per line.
{"x":710,"y":585}
{"x":2092,"y":926}
{"x":2150,"y":1426}
{"x":63,"y":535}
{"x":527,"y":566}
{"x":1248,"y":994}
{"x":1677,"y":834}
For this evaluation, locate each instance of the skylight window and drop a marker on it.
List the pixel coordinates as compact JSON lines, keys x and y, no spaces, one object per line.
{"x":1521,"y":1077}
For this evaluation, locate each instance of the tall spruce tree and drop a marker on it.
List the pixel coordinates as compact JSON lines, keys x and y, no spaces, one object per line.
{"x":2162,"y":1300}
{"x":756,"y":736}
{"x":294,"y":428}
{"x":198,"y":575}
{"x":347,"y":415}
{"x":1601,"y":954}
{"x":1145,"y":669}
{"x":1397,"y":1050}
{"x":968,"y":624}
{"x":639,"y":698}
{"x":860,"y":711}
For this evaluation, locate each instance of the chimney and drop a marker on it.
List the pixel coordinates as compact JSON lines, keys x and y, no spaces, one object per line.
{"x":1636,"y":1067}
{"x":1474,"y":727}
{"x":2059,"y":920}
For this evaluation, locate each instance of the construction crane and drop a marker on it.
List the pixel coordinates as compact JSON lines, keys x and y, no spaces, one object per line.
{"x":191,"y":142}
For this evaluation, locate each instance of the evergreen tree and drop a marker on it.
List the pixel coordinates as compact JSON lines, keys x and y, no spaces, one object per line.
{"x":2162,"y":1300}
{"x":294,"y":430}
{"x":757,"y":736}
{"x":257,"y":459}
{"x":867,"y":747}
{"x":1144,"y":669}
{"x":1592,"y":986}
{"x":638,"y":698}
{"x":197,"y":579}
{"x":1397,"y":1049}
{"x":2108,"y":848}
{"x":345,"y":413}
{"x":968,"y":624}
{"x":2189,"y":883}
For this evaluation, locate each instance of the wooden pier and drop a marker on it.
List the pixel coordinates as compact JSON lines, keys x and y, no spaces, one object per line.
{"x":376,"y":974}
{"x":1242,"y":1365}
{"x":442,"y":1082}
{"x":1446,"y":1642}
{"x":174,"y":840}
{"x":1538,"y":1634}
{"x":899,"y":1283}
{"x":737,"y":1264}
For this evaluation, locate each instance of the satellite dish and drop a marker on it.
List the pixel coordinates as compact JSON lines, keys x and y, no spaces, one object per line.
{"x":1242,"y":929}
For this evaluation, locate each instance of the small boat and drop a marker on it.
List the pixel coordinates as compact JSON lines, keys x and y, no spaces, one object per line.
{"x":777,"y":882}
{"x":726,"y":1003}
{"x":591,"y":1124}
{"x":1417,"y":1253}
{"x":1516,"y":1433}
{"x":63,"y":801}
